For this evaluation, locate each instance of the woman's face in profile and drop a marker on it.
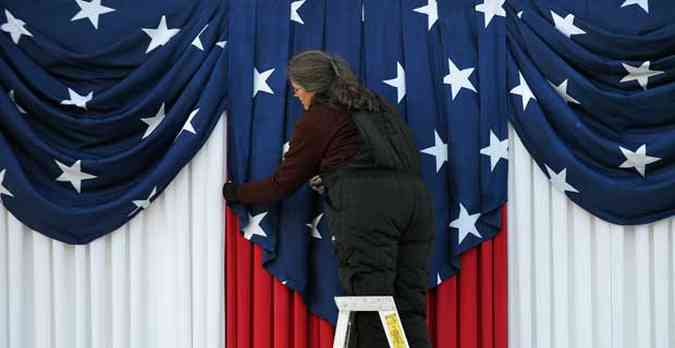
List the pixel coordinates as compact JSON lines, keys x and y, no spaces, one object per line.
{"x":304,"y":96}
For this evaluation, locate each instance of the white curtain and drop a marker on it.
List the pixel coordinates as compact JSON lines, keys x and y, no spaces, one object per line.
{"x":157,"y":282}
{"x":577,"y":281}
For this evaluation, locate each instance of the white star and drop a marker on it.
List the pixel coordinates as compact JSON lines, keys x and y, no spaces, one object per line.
{"x":160,"y":35}
{"x":523,"y":90}
{"x":12,"y":98}
{"x":466,"y":224}
{"x":153,"y":122}
{"x":491,"y":8}
{"x":640,"y":74}
{"x":91,"y":10}
{"x":3,"y":189}
{"x":431,"y":10}
{"x":566,"y":25}
{"x":78,"y":100}
{"x":284,"y":282}
{"x":439,"y":150}
{"x":638,"y":159}
{"x":197,"y":42}
{"x":439,"y":280}
{"x":520,"y":14}
{"x":221,"y":44}
{"x":398,"y":82}
{"x":15,"y":27}
{"x":286,"y":147}
{"x":314,"y":226}
{"x":260,"y":81}
{"x":188,"y":124}
{"x":253,"y":228}
{"x":144,"y":203}
{"x":295,"y":6}
{"x":497,"y":150}
{"x":642,"y":3}
{"x":458,"y":79}
{"x":559,"y":180}
{"x":562,"y":91}
{"x":73,"y":174}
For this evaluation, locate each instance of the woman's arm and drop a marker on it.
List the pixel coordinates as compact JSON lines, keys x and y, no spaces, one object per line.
{"x":300,"y":163}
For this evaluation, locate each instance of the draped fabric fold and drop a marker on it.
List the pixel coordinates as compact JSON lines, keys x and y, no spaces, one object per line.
{"x":591,"y":89}
{"x":99,"y":116}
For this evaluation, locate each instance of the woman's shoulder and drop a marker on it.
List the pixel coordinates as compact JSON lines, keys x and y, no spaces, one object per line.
{"x":326,"y":112}
{"x":322,"y":120}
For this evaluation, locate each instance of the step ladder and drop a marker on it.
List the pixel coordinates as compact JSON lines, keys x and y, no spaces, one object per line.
{"x":384,"y":305}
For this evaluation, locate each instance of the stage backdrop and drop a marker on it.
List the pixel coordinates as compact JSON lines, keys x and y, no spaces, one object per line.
{"x":592,"y":91}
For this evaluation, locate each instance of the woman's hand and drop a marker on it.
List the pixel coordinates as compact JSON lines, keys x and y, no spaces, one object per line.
{"x":317,"y":184}
{"x":230,"y":193}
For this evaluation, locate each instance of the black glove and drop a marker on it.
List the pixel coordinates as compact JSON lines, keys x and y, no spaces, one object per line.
{"x":230,"y":193}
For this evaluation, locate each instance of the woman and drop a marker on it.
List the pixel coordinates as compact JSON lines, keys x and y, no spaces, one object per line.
{"x":378,"y":209}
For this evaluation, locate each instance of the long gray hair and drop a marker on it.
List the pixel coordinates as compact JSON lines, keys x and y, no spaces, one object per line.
{"x":333,"y":81}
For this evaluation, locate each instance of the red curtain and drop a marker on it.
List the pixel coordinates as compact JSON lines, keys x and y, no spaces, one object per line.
{"x":467,"y":311}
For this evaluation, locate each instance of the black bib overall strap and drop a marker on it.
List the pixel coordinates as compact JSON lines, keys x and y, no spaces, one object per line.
{"x":381,"y":216}
{"x":388,"y":140}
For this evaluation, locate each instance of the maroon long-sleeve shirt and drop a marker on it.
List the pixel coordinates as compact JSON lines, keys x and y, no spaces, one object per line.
{"x":323,"y":139}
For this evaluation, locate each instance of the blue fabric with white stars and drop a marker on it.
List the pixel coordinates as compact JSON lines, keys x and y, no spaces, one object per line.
{"x":102,"y":104}
{"x":423,"y":56}
{"x":591,"y":93}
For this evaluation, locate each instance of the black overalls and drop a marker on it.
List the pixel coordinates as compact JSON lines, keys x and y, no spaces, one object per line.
{"x":381,"y":216}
